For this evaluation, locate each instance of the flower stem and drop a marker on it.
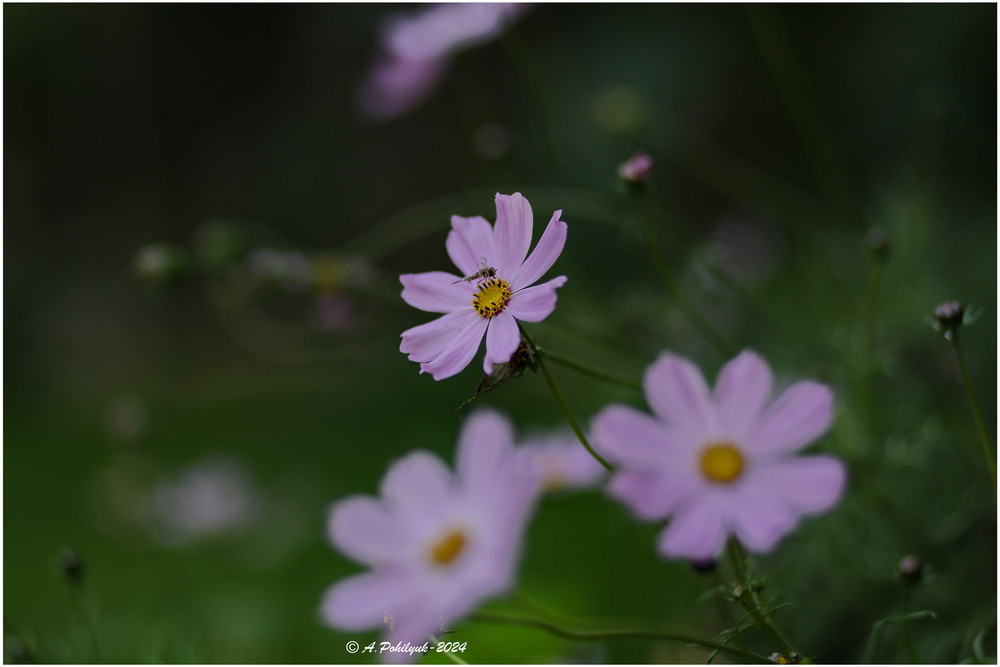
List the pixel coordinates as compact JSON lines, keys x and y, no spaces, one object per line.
{"x":751,"y":601}
{"x":596,"y":374}
{"x":694,"y":318}
{"x":597,"y":635}
{"x":907,"y":630}
{"x":562,"y":401}
{"x":977,"y":414}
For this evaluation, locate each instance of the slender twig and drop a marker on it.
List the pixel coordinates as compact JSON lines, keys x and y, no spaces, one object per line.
{"x":598,"y":635}
{"x":591,"y":372}
{"x":562,"y":401}
{"x":873,"y":637}
{"x":977,"y":414}
{"x":691,"y":314}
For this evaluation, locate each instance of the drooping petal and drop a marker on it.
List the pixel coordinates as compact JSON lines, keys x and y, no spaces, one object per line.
{"x":806,"y":484}
{"x":799,"y":416}
{"x":676,"y":391}
{"x":742,"y":388}
{"x":419,"y":484}
{"x":469,"y":240}
{"x":696,"y":532}
{"x":626,"y":436}
{"x":544,"y":255}
{"x":486,"y":441}
{"x":512,"y":232}
{"x":360,"y":602}
{"x":534,"y":304}
{"x":459,"y":352}
{"x":502,"y":339}
{"x":426,"y":342}
{"x":436,"y":291}
{"x":361,"y":528}
{"x":651,"y":495}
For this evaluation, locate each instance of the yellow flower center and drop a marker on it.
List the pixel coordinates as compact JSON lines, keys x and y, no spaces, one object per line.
{"x":448,"y":548}
{"x":491,"y":298}
{"x":721,"y":462}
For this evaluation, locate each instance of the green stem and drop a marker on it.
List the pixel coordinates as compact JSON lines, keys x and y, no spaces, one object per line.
{"x":598,"y":635}
{"x":451,"y":656}
{"x":596,"y":374}
{"x":907,"y":631}
{"x":977,"y":414}
{"x":750,"y":600}
{"x":562,"y":401}
{"x":694,"y":318}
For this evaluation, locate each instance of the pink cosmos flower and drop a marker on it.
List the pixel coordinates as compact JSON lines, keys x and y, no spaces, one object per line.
{"x":437,"y":544}
{"x":416,"y":48}
{"x":720,"y":463}
{"x":561,"y":462}
{"x":491,"y":292}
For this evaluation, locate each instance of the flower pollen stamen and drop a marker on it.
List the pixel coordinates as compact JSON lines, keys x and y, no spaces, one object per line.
{"x":445,"y":551}
{"x":721,"y":462}
{"x":492,"y":297}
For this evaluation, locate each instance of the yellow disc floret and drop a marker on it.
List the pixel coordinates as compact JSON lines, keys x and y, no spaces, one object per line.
{"x":492,"y":297}
{"x":721,"y":462}
{"x":448,"y":548}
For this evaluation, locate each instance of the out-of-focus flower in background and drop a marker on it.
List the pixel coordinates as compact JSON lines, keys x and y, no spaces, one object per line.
{"x":484,"y":304}
{"x":637,"y":169}
{"x":720,"y":463}
{"x":416,"y":46}
{"x":561,"y":462}
{"x":437,"y":543}
{"x":214,"y":498}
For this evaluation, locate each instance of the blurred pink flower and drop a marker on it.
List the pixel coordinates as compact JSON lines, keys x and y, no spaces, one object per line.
{"x":637,"y":169}
{"x":720,"y":463}
{"x":487,"y":304}
{"x":437,"y":544}
{"x":416,"y":48}
{"x":561,"y":462}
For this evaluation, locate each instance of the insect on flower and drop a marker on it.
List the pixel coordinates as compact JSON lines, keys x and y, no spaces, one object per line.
{"x":485,"y":271}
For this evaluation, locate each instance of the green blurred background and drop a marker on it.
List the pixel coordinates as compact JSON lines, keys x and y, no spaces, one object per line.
{"x":790,"y":142}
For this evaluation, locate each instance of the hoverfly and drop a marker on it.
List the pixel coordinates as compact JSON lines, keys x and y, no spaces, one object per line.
{"x":484,"y":271}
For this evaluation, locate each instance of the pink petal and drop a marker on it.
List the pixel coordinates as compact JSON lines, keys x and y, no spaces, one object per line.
{"x":361,"y":528}
{"x":697,"y":531}
{"x":534,"y":304}
{"x":418,"y":484}
{"x":676,"y":391}
{"x":650,"y":495}
{"x":742,"y":388}
{"x":512,"y":232}
{"x":544,"y":255}
{"x":799,"y":416}
{"x":427,"y":341}
{"x":469,"y":240}
{"x":459,"y":352}
{"x":360,"y":602}
{"x":436,"y":292}
{"x":806,"y":484}
{"x":502,"y":339}
{"x":632,"y":438}
{"x":758,"y":517}
{"x":486,"y":440}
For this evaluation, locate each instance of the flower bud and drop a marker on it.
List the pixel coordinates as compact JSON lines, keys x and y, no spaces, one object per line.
{"x":161,"y":263}
{"x":910,"y":570}
{"x":878,"y":241}
{"x":71,"y":565}
{"x":636,"y":171}
{"x":950,"y":315}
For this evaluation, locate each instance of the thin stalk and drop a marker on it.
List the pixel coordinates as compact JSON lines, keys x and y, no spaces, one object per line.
{"x":751,"y":601}
{"x":591,"y":372}
{"x":907,"y":631}
{"x":977,"y":414}
{"x":451,"y":656}
{"x":562,"y":402}
{"x":691,"y":314}
{"x":598,"y":635}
